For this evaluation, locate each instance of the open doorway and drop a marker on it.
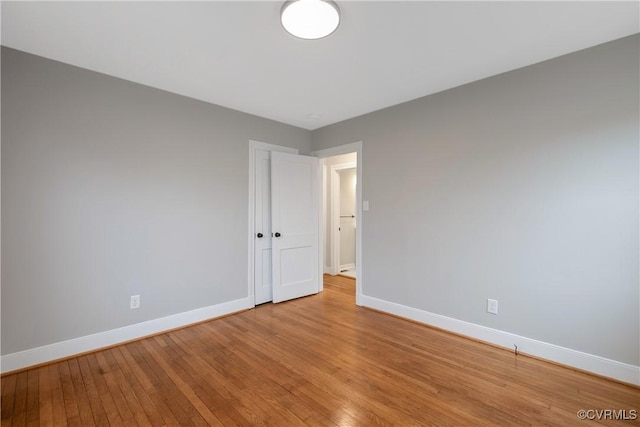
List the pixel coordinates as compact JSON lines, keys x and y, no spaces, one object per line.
{"x":339,"y":211}
{"x":332,"y":161}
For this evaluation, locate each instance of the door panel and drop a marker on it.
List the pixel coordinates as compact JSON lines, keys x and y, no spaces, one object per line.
{"x":296,"y":265}
{"x":294,"y":222}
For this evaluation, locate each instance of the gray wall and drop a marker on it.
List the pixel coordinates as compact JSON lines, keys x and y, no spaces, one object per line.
{"x":523,"y":188}
{"x":111,"y":189}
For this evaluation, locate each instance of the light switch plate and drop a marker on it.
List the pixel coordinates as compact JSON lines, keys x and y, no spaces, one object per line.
{"x":492,"y":306}
{"x":365,"y":205}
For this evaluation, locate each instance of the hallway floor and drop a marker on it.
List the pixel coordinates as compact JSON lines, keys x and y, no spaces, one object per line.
{"x":350,"y":272}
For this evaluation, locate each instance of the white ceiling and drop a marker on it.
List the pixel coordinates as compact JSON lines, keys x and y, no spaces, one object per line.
{"x":236,"y":54}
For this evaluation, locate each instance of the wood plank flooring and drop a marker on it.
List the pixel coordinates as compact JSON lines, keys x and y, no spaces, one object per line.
{"x":318,"y":361}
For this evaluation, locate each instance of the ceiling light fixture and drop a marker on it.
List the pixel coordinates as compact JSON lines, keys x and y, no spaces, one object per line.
{"x":310,"y":19}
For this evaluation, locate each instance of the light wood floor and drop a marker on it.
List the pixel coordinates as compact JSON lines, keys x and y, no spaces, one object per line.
{"x":314,"y":361}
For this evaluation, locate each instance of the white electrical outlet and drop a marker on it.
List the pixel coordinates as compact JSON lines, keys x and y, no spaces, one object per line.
{"x":135,"y":302}
{"x":492,"y":306}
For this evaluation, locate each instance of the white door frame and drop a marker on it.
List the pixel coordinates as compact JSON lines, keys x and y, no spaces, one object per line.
{"x":253,"y":146}
{"x":335,"y":151}
{"x":334,"y":218}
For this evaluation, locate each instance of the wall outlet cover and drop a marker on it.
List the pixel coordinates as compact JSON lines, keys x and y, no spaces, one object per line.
{"x":134,"y":302}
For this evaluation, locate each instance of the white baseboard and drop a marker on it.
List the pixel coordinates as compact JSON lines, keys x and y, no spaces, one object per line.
{"x":63,"y":349}
{"x":588,"y":362}
{"x":350,"y":266}
{"x":566,"y":356}
{"x":332,"y":271}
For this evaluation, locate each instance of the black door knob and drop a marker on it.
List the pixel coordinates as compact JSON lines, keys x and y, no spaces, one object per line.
{"x":278,"y":234}
{"x":259,"y":235}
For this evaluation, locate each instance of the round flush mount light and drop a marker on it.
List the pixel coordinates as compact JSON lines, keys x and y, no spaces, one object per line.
{"x":310,"y":19}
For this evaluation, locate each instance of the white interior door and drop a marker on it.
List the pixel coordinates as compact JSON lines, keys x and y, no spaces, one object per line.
{"x":262,"y":227}
{"x":294,"y":224}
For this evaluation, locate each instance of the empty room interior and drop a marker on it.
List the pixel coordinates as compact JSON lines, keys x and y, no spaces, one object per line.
{"x":226,"y":213}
